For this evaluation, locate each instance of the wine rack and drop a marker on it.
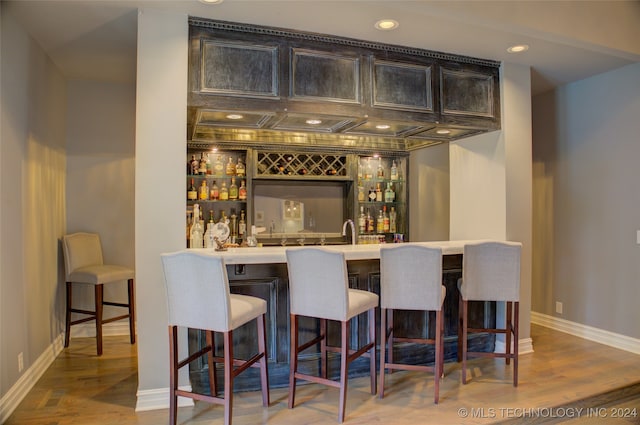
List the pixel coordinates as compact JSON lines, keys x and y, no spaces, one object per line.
{"x":300,"y":164}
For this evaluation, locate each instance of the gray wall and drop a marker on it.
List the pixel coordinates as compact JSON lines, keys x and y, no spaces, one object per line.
{"x":587,"y":201}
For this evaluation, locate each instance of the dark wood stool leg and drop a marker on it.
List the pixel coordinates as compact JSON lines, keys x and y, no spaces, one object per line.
{"x":516,"y":325}
{"x":390,"y":337}
{"x":228,"y":376}
{"x":383,"y":349}
{"x":98,"y":303}
{"x":262,"y":347}
{"x":464,"y":341}
{"x":372,"y":351}
{"x":132,"y":312}
{"x":437,"y":367}
{"x":173,"y":375}
{"x":508,"y":329}
{"x":293,"y":359}
{"x":323,"y":348}
{"x":67,"y":332}
{"x":344,"y":364}
{"x":213,"y":379}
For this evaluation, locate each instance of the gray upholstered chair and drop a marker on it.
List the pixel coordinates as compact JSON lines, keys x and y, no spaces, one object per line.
{"x":198,"y":297}
{"x":411,"y":279}
{"x":84,"y":264}
{"x":490,"y":272}
{"x":318,"y":287}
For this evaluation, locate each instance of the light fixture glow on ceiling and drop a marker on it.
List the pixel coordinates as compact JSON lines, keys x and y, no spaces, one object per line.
{"x":387,"y":24}
{"x":443,"y":131}
{"x":211,"y":1}
{"x":235,"y":116}
{"x":313,"y":121}
{"x":518,"y":48}
{"x":383,"y":126}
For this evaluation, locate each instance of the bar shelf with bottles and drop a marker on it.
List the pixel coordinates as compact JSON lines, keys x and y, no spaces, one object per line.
{"x":381,"y":199}
{"x":217,"y":183}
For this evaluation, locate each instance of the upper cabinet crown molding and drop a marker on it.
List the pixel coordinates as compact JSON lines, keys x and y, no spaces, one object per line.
{"x":360,"y":88}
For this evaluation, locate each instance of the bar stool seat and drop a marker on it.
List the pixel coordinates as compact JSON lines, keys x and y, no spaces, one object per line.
{"x":84,"y":265}
{"x":198,"y":297}
{"x":318,"y":287}
{"x":490,"y":272}
{"x":411,"y":279}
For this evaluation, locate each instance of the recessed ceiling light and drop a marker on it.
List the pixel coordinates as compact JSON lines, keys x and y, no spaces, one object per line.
{"x":235,"y":116}
{"x":386,"y":24}
{"x":383,"y":126}
{"x":313,"y":121}
{"x":443,"y":131}
{"x":518,"y":48}
{"x":211,"y":1}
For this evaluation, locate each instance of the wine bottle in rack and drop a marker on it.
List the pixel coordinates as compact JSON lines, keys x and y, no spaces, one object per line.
{"x":192,"y":193}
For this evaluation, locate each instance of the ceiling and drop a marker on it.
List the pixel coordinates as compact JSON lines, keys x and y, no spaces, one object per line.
{"x":569,"y":40}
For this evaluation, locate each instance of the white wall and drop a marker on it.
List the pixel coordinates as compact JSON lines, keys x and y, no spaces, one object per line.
{"x":587,"y":201}
{"x":32,"y":180}
{"x":160,"y":213}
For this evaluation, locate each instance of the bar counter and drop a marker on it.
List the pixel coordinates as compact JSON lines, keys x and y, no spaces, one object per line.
{"x":262,"y":272}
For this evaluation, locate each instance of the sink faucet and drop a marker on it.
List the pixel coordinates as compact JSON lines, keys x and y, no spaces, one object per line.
{"x":353,"y":230}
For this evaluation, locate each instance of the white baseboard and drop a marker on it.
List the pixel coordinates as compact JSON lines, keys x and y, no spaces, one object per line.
{"x":25,"y":383}
{"x":601,"y":336}
{"x":159,"y":399}
{"x":525,"y":346}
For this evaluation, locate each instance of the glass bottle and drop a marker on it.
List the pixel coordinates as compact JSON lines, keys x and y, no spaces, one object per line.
{"x":194,"y":164}
{"x":380,"y":172}
{"x":202,"y":167}
{"x":215,"y":192}
{"x":209,"y":166}
{"x":203,"y":193}
{"x":231,"y":167}
{"x":389,"y":195}
{"x":242,"y":192}
{"x":233,"y":189}
{"x":372,"y":194}
{"x":192,"y":193}
{"x":362,"y":221}
{"x":394,"y":171}
{"x":378,"y":193}
{"x":386,"y":223}
{"x":370,"y":222}
{"x":242,"y":225}
{"x":233,"y":228}
{"x":197,"y":229}
{"x":361,"y":197}
{"x":224,"y":192}
{"x":380,"y":222}
{"x":368,"y":171}
{"x":392,"y":220}
{"x":218,"y":166}
{"x":240,"y":168}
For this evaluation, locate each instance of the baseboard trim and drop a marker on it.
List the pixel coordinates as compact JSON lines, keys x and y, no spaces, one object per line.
{"x":159,"y":399}
{"x":29,"y":378}
{"x":601,"y":336}
{"x":525,"y":346}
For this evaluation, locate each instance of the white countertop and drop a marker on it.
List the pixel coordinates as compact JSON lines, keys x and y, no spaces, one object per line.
{"x":276,"y":254}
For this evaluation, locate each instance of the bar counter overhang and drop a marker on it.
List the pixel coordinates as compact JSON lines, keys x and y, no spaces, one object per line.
{"x":262,"y":272}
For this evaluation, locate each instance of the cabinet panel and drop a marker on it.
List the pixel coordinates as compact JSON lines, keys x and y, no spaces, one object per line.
{"x":405,"y":86}
{"x":466,"y":93}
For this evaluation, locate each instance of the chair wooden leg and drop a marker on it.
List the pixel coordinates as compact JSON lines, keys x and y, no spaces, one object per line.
{"x":390,"y":337}
{"x":516,"y":341}
{"x":344,"y":363}
{"x":262,"y":347}
{"x":173,"y":374}
{"x":67,"y":332}
{"x":132,"y":312}
{"x":372,"y":351}
{"x":459,"y":328}
{"x":228,"y":376}
{"x":437,"y":367}
{"x":293,"y":359}
{"x":508,"y":328}
{"x":213,"y":379}
{"x":98,"y":304}
{"x":323,"y":348}
{"x":464,"y":340}
{"x":383,"y":349}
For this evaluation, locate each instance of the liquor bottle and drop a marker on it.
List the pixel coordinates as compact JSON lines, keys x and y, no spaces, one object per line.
{"x":380,"y":172}
{"x":233,"y":189}
{"x":386,"y":223}
{"x":189,"y":221}
{"x":231,"y":167}
{"x":209,"y":166}
{"x":223,"y":218}
{"x":215,"y":192}
{"x":242,"y":225}
{"x":218,"y":166}
{"x":394,"y":171}
{"x":224,"y":192}
{"x":378,"y":193}
{"x":389,"y":195}
{"x":197,"y":229}
{"x":233,"y":228}
{"x":372,"y":194}
{"x":240,"y":168}
{"x":193,"y":165}
{"x":368,"y":171}
{"x":392,"y":220}
{"x":242,"y":192}
{"x":202,"y":167}
{"x":380,"y":222}
{"x":360,"y":171}
{"x":211,"y":217}
{"x":361,"y":197}
{"x":370,"y":222}
{"x":203,"y":194}
{"x":192,"y":193}
{"x":362,"y":221}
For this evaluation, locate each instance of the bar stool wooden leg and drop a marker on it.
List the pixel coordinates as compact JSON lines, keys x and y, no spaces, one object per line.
{"x":323,"y":348}
{"x":228,"y":376}
{"x":383,"y":349}
{"x":173,"y":375}
{"x":372,"y":350}
{"x":67,"y":331}
{"x":293,"y":359}
{"x":437,"y":367}
{"x":262,"y":347}
{"x":344,"y":363}
{"x":508,"y":329}
{"x":213,"y":379}
{"x":516,"y":325}
{"x":132,"y":312}
{"x":390,"y":337}
{"x":98,"y":310}
{"x":464,"y":341}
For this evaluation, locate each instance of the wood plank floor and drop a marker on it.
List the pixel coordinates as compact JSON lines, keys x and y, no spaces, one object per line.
{"x":80,"y":388}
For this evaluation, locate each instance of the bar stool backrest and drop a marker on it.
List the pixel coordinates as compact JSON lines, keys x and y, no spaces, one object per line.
{"x":491,"y":271}
{"x":197,"y":289}
{"x":81,"y":250}
{"x":411,"y":277}
{"x":318,"y":283}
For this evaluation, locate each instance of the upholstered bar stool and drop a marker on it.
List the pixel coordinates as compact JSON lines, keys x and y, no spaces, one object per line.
{"x":490,"y":272}
{"x":198,"y":297}
{"x":411,"y":279}
{"x":84,"y":264}
{"x":318,"y":287}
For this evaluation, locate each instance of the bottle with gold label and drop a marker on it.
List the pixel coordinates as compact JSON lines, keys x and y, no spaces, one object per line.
{"x":218,"y":166}
{"x":240,"y":168}
{"x":231,"y":167}
{"x":392,"y":220}
{"x":214,"y":194}
{"x":203,"y":193}
{"x":233,"y":189}
{"x":378,"y":193}
{"x":242,"y":225}
{"x":386,"y":225}
{"x":192,"y":193}
{"x":242,"y":191}
{"x":224,"y":192}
